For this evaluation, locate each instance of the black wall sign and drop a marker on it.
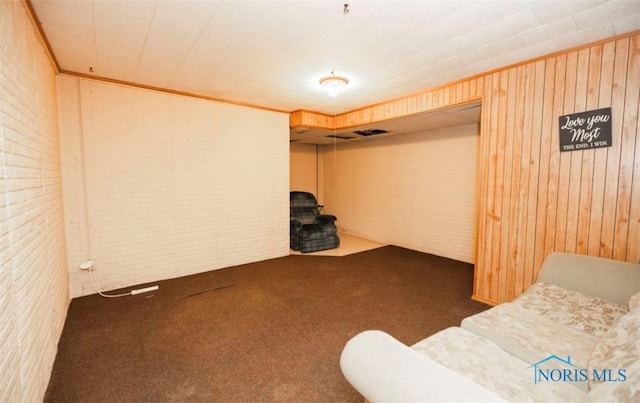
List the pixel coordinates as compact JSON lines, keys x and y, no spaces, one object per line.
{"x":585,"y":130}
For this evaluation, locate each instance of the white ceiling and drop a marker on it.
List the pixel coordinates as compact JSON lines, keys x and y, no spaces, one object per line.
{"x":272,"y":53}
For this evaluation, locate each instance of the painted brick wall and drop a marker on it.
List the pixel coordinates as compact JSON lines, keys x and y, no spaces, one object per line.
{"x":34,"y":293}
{"x":414,"y":190}
{"x":163,"y":186}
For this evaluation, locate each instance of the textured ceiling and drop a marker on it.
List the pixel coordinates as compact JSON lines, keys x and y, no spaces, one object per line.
{"x":272,"y":53}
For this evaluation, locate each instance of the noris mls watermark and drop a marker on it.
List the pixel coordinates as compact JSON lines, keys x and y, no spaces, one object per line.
{"x":556,"y":369}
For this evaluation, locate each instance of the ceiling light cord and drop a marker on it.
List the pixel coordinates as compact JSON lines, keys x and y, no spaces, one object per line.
{"x":335,"y":137}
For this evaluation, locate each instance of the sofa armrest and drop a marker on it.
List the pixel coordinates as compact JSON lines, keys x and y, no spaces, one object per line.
{"x":613,"y":280}
{"x":382,"y":369}
{"x":326,"y":219}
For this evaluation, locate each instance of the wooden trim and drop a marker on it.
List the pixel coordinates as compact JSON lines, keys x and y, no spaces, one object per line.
{"x":308,"y":119}
{"x":168,"y":91}
{"x":484,"y":300}
{"x":43,"y":37}
{"x":428,"y":102}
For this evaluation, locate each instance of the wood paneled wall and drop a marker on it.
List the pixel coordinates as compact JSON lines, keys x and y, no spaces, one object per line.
{"x":535,"y":199}
{"x":532,"y":198}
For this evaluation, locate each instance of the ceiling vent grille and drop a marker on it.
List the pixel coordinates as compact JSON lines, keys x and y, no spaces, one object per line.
{"x":370,"y":132}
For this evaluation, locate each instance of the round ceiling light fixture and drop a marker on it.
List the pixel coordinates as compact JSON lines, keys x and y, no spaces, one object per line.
{"x":333,"y":83}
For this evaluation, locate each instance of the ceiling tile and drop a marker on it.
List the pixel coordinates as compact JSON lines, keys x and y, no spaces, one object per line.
{"x":549,"y":31}
{"x":627,"y":23}
{"x":594,"y":33}
{"x":174,"y":30}
{"x":121,"y":31}
{"x":550,"y":10}
{"x":589,"y":17}
{"x":506,"y":26}
{"x":272,"y":53}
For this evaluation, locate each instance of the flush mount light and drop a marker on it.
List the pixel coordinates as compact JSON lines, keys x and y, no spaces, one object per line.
{"x":333,"y":83}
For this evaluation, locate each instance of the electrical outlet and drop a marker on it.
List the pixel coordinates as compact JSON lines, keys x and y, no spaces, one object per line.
{"x":88,"y":265}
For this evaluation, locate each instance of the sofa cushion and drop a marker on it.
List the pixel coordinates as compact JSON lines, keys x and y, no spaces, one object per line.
{"x":571,"y":308}
{"x":613,"y":280}
{"x":532,"y":337}
{"x":618,"y":349}
{"x":488,"y":365}
{"x":627,"y":391}
{"x":548,"y":320}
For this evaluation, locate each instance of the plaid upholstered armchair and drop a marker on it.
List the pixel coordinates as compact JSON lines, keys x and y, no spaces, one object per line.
{"x":309,"y":230}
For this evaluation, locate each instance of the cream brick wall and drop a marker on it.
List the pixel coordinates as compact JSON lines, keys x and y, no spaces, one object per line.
{"x":162,"y":186}
{"x":34,"y":293}
{"x":416,"y":191}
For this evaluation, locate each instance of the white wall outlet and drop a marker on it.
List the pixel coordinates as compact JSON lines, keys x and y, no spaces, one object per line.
{"x":87,"y":265}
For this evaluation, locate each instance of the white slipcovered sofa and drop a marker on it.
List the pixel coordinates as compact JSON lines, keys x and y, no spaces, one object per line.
{"x":574,"y":336}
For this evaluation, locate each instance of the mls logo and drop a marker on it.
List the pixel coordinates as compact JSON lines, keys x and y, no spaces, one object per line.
{"x":557,"y":369}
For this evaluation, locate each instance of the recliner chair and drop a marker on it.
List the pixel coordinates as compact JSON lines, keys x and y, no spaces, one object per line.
{"x":310,"y":231}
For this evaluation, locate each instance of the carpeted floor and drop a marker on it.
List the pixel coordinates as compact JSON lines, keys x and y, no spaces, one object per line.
{"x":267,"y":331}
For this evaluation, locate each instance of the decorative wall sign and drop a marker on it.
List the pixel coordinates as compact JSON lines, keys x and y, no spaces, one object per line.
{"x":585,"y":130}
